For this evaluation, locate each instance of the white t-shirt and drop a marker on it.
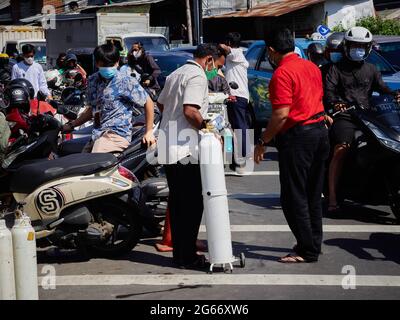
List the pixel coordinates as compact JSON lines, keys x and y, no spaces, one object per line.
{"x":33,"y":73}
{"x":236,"y":70}
{"x":177,"y":138}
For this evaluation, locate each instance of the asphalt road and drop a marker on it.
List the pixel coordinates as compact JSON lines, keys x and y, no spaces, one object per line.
{"x":363,"y":242}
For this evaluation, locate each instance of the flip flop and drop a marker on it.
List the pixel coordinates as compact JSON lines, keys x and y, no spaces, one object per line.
{"x":290,"y":258}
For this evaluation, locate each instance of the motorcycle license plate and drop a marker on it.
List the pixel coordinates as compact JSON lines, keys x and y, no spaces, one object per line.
{"x":215,"y":108}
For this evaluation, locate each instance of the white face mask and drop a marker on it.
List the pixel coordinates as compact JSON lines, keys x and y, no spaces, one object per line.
{"x":137,"y":54}
{"x":357,"y":54}
{"x":29,"y":60}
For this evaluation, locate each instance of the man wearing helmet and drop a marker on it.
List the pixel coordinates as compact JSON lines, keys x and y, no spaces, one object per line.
{"x":315,"y":53}
{"x":74,"y":74}
{"x":349,"y":82}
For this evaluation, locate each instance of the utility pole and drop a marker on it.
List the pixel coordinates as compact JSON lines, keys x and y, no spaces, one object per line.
{"x":189,"y":22}
{"x":198,"y":21}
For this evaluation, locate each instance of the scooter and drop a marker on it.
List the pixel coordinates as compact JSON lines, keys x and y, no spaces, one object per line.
{"x":79,"y":201}
{"x":371,"y":173}
{"x":152,"y":195}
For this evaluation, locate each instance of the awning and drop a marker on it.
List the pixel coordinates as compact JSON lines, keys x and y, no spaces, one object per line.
{"x":272,"y":9}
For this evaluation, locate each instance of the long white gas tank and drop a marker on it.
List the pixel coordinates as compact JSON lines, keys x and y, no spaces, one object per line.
{"x":215,"y":200}
{"x":25,"y":262}
{"x":7,"y":280}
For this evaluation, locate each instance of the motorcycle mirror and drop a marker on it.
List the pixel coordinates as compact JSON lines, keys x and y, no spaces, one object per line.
{"x":234,"y":85}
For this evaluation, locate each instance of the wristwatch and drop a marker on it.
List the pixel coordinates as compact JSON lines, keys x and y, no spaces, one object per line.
{"x":261,"y":142}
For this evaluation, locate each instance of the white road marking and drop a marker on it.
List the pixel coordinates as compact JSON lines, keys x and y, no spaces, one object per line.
{"x":244,"y":196}
{"x":224,"y":279}
{"x":255,"y":173}
{"x":327,"y":228}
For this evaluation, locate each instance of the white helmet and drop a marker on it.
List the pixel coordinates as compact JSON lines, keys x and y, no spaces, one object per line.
{"x":53,"y":78}
{"x":357,"y":43}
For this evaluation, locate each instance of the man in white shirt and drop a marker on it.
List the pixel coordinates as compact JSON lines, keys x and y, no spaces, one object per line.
{"x":236,"y":71}
{"x":184,"y":102}
{"x":31,"y":71}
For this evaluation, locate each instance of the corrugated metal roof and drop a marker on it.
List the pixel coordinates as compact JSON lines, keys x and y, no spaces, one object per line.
{"x":272,"y":9}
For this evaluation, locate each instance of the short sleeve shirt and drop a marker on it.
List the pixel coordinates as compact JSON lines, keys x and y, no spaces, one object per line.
{"x":177,"y":138}
{"x":297,"y":84}
{"x":115,"y":99}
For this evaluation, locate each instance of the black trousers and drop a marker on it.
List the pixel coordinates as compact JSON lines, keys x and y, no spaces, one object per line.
{"x":303,"y":152}
{"x":186,"y":210}
{"x":238,"y":114}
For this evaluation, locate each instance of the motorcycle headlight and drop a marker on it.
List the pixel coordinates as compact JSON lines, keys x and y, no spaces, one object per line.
{"x":383,"y":139}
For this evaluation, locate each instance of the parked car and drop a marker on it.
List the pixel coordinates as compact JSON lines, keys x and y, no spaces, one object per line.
{"x":260,"y":73}
{"x":169,"y":62}
{"x":187,"y":49}
{"x":389,"y":48}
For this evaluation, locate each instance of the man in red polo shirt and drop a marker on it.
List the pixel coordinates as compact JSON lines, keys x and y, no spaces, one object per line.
{"x":301,"y":136}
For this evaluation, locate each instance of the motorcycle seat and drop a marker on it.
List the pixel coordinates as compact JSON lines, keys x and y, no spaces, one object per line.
{"x":72,"y":146}
{"x":29,"y":177}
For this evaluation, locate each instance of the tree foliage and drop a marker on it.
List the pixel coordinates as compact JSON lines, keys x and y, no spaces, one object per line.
{"x":377,"y":25}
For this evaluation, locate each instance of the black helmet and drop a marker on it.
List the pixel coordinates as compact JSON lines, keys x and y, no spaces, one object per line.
{"x":315,"y":53}
{"x":5,"y":76}
{"x":72,"y":97}
{"x":335,"y":42}
{"x":26,"y":84}
{"x":16,"y":95}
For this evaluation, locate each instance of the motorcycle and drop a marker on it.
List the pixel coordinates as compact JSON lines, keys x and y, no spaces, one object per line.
{"x":371,"y":172}
{"x":77,"y":202}
{"x":152,"y":195}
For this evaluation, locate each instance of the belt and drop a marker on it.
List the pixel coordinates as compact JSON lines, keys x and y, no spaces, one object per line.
{"x":301,"y":128}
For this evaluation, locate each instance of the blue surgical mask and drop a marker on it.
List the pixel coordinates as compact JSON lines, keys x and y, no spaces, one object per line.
{"x":357,"y":54}
{"x":107,"y":72}
{"x":335,"y":56}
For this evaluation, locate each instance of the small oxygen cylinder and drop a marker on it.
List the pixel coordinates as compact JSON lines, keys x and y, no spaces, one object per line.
{"x":25,"y":262}
{"x":7,"y":280}
{"x":228,"y":145}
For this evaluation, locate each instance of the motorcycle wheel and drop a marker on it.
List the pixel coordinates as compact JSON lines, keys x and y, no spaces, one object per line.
{"x":127,"y":228}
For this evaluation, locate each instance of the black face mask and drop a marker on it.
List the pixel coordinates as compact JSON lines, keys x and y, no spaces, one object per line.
{"x":272,"y":63}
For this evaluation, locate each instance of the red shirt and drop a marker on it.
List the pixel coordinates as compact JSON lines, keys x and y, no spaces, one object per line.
{"x":297,"y":83}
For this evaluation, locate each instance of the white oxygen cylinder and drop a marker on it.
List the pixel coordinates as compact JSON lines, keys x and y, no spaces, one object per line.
{"x":25,"y":262}
{"x":215,"y":200}
{"x":7,"y":280}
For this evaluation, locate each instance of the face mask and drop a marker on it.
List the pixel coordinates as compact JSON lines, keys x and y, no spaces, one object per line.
{"x":107,"y":72}
{"x":357,"y":54}
{"x":137,"y":54}
{"x":335,"y":56}
{"x":272,"y":62}
{"x":29,"y":60}
{"x":212,"y":73}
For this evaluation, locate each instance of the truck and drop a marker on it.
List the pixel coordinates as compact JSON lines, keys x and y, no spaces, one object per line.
{"x":13,"y":33}
{"x":88,"y":30}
